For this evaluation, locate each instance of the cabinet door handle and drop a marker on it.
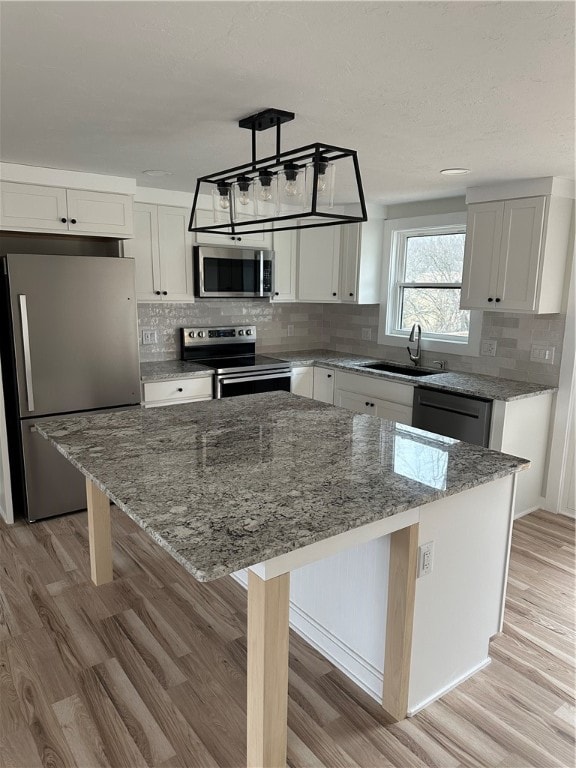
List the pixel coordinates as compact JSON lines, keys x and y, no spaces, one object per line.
{"x":371,"y":405}
{"x":351,"y":294}
{"x":63,"y":220}
{"x":164,"y":293}
{"x":497,"y":300}
{"x":334,"y":294}
{"x":72,"y":221}
{"x":180,"y":389}
{"x":490,"y":299}
{"x":329,"y":376}
{"x":157,"y":293}
{"x":366,"y":403}
{"x":276,"y":293}
{"x":26,"y":351}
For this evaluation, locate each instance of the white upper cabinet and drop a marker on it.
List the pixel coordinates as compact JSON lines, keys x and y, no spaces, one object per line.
{"x":319,"y":264}
{"x":361,"y":262}
{"x":285,"y":257}
{"x":204,"y":218}
{"x":99,"y":213}
{"x":37,"y":208}
{"x":515,"y":254}
{"x":162,"y":249}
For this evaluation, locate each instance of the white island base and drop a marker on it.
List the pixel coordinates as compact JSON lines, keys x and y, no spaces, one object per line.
{"x":339,"y":604}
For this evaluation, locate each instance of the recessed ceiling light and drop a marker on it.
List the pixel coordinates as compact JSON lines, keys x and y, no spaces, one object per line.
{"x":455,"y":171}
{"x":157,"y":173}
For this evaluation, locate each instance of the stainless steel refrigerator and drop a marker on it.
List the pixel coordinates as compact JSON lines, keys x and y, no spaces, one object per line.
{"x":69,"y":345}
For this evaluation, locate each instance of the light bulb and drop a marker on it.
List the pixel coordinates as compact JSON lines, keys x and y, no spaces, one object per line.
{"x":243,"y":198}
{"x":291,"y":188}
{"x":224,"y":202}
{"x":265,"y":194}
{"x":322,"y":183}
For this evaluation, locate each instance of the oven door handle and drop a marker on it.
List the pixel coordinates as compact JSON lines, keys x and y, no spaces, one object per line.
{"x":263,"y":377}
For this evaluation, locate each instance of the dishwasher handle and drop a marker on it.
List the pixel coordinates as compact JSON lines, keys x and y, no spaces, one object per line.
{"x":447,"y":409}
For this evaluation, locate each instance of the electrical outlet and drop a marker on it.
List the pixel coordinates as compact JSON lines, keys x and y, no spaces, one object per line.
{"x":488,"y":347}
{"x":425,"y":558}
{"x":290,"y":329}
{"x":149,"y":337}
{"x":542,"y":353}
{"x":366,"y":334}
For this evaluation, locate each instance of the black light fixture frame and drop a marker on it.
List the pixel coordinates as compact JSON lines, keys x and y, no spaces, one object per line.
{"x":316,"y":153}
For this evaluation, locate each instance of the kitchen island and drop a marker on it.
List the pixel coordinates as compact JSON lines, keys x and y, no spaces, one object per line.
{"x":273,"y":483}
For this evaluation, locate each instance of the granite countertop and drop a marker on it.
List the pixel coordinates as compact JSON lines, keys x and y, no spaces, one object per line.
{"x":166,"y":370}
{"x":474,"y":384}
{"x":229,"y":483}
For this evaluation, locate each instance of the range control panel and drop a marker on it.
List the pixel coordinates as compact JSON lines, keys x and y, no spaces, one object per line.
{"x":239,"y":334}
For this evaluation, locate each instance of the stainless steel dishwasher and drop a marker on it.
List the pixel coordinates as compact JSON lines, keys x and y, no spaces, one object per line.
{"x":460,"y":416}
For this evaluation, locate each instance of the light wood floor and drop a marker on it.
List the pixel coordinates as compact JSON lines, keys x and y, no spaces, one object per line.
{"x":150,"y":670}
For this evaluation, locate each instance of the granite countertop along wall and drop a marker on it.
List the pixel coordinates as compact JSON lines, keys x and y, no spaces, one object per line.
{"x":225,"y":484}
{"x":167,"y":370}
{"x":473,"y":384}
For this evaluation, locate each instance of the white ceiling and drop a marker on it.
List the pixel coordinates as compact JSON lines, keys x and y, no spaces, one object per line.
{"x":415,"y":87}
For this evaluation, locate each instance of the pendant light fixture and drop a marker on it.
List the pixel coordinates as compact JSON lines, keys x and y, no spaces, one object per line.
{"x":289,"y":190}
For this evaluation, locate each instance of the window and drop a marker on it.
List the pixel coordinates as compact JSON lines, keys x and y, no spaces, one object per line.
{"x":423,"y":283}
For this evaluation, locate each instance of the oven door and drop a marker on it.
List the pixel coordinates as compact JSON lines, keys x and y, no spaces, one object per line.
{"x":231,"y":386}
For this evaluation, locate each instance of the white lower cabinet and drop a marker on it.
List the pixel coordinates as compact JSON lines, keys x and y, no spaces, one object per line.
{"x":156,"y":393}
{"x":324,"y":384}
{"x":373,"y":406}
{"x":162,"y":249}
{"x":378,"y":397}
{"x":302,"y":382}
{"x":38,"y":208}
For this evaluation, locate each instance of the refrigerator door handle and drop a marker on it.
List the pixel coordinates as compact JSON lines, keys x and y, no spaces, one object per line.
{"x":26,"y":350}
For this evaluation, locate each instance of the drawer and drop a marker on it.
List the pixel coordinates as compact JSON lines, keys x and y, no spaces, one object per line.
{"x":385,"y":389}
{"x":199,"y":388}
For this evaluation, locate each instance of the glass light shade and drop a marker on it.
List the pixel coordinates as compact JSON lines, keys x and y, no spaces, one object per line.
{"x":243,"y":197}
{"x":266,"y":196}
{"x":325,"y":183}
{"x":222,"y":204}
{"x":291,"y":189}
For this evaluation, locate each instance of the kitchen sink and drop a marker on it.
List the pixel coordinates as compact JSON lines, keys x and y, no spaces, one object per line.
{"x":403,"y":370}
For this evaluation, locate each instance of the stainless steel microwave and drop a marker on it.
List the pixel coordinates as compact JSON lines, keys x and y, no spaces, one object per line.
{"x":232,"y":272}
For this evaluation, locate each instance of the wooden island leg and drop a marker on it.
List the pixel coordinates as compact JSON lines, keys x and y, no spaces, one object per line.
{"x":99,"y":534}
{"x":400,"y":620}
{"x":268,"y":607}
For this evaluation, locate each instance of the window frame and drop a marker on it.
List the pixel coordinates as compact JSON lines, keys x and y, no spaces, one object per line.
{"x":396,"y":232}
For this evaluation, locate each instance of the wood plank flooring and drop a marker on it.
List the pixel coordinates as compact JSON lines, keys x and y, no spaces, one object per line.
{"x":150,"y":670}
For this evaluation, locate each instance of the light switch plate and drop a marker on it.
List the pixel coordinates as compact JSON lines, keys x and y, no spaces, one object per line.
{"x":542,"y":353}
{"x":149,"y":337}
{"x":488,"y":347}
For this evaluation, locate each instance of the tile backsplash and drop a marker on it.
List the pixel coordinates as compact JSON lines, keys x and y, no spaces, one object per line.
{"x":273,"y":323}
{"x":340,"y":326}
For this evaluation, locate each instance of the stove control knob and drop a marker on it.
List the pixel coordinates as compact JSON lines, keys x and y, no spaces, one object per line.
{"x":201,"y":334}
{"x":240,"y":333}
{"x":191,"y":334}
{"x":248,"y":332}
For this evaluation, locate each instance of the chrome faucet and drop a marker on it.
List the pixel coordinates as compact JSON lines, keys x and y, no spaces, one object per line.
{"x":415,"y":336}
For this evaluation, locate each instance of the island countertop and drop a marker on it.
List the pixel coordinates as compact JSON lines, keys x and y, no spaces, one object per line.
{"x":226,"y":484}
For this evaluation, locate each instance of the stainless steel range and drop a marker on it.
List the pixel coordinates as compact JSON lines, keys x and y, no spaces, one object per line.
{"x":231,"y":353}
